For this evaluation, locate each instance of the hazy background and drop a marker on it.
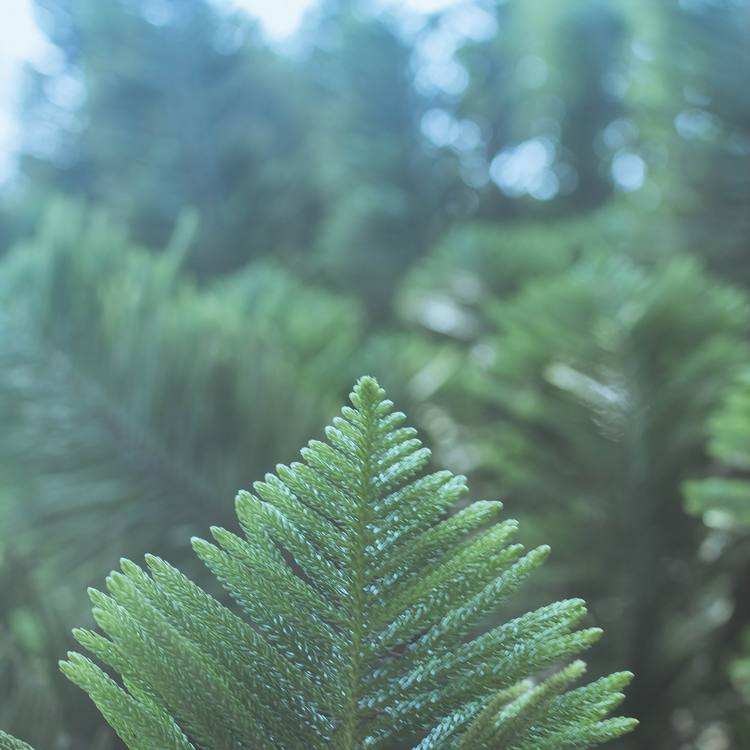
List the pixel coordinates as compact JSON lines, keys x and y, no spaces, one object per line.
{"x":530,"y":220}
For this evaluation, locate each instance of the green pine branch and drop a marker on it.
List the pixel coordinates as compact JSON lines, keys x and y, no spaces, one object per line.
{"x":11,"y":743}
{"x":724,"y":500}
{"x":360,"y":601}
{"x":103,"y":457}
{"x":85,"y":438}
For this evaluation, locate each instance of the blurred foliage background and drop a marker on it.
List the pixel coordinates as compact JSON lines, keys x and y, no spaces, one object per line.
{"x":530,"y":220}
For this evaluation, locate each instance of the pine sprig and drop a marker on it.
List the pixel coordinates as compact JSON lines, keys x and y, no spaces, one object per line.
{"x":361,"y":597}
{"x":11,"y":743}
{"x":724,"y":500}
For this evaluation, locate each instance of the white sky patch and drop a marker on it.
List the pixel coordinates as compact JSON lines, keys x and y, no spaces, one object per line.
{"x":526,"y":169}
{"x":629,"y":171}
{"x":20,"y":42}
{"x":279,"y":18}
{"x":425,"y":6}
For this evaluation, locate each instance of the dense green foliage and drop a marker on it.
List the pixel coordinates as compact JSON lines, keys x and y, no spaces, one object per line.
{"x":94,"y":448}
{"x":583,"y":396}
{"x":724,"y":501}
{"x":724,"y":504}
{"x":528,"y":219}
{"x":710,"y":59}
{"x":362,"y":595}
{"x":233,"y":153}
{"x":137,"y":439}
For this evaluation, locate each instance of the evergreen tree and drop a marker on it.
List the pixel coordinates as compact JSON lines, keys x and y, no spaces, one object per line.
{"x":82,"y":305}
{"x":121,"y":124}
{"x":590,"y":79}
{"x":109,"y":440}
{"x":723,"y":501}
{"x":541,"y":91}
{"x":361,"y":594}
{"x":584,"y":397}
{"x":479,"y":260}
{"x":380,"y":208}
{"x":706,"y":61}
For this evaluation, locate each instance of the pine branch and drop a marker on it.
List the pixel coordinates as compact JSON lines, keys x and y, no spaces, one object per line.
{"x":88,"y":433}
{"x":11,"y":743}
{"x":724,"y":500}
{"x":359,"y":596}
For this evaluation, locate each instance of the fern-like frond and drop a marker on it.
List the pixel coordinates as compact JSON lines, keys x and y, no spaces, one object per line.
{"x":11,"y":743}
{"x":361,"y":598}
{"x":724,"y":500}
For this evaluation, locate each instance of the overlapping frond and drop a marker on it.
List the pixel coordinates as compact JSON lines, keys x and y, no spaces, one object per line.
{"x":360,"y":601}
{"x":11,"y":743}
{"x":724,"y":500}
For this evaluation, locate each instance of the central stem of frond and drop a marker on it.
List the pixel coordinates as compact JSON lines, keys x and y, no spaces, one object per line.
{"x":350,"y":728}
